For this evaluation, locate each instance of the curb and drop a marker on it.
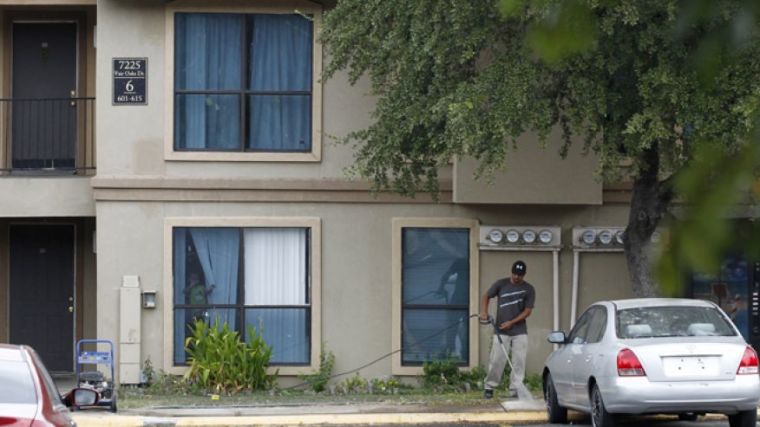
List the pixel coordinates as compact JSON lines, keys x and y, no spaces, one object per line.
{"x":111,"y":420}
{"x":87,"y":420}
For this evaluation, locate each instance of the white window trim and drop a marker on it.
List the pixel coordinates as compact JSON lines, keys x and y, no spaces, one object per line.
{"x":315,"y":253}
{"x":397,"y":258}
{"x":315,"y":155}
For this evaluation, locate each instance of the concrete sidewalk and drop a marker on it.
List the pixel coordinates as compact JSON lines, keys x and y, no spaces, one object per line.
{"x":508,"y":412}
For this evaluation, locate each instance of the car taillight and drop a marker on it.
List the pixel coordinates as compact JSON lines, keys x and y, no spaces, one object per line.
{"x":748,"y":365}
{"x":628,"y":365}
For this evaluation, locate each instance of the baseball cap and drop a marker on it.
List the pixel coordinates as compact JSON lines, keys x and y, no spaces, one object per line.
{"x":519,"y":268}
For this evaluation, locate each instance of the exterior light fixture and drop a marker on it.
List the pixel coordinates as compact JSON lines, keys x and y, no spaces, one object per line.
{"x":496,"y":236}
{"x":529,"y":236}
{"x":149,"y":299}
{"x":605,"y":237}
{"x":513,"y":236}
{"x":588,"y":237}
{"x":620,"y":237}
{"x":545,"y":237}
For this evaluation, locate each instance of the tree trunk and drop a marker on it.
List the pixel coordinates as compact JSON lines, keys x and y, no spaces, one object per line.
{"x":649,"y":201}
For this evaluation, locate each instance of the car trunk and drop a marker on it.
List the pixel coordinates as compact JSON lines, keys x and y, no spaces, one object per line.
{"x":688,"y":359}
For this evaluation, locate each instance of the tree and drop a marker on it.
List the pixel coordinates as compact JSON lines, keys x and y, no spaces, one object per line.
{"x":456,"y":78}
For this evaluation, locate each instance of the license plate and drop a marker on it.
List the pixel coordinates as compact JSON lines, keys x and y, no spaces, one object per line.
{"x":691,"y":366}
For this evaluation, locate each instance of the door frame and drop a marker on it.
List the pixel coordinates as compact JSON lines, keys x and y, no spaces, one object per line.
{"x":74,"y":282}
{"x":21,"y":16}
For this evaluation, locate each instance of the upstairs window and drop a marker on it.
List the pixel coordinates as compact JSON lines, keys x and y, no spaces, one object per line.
{"x":243,"y":83}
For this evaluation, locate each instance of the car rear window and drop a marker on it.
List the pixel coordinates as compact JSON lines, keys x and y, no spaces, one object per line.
{"x":16,"y":383}
{"x":671,"y":321}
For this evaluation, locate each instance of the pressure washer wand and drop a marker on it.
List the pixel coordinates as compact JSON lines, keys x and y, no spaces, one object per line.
{"x":496,"y":331}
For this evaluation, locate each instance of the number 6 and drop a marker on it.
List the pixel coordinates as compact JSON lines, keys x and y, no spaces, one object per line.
{"x":129,"y":86}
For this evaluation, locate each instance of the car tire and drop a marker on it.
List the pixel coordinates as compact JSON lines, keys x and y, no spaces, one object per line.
{"x":688,"y":416}
{"x":743,"y":419}
{"x":599,"y":415}
{"x":556,"y":413}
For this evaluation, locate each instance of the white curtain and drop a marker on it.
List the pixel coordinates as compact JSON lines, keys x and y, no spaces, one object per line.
{"x":276,"y":274}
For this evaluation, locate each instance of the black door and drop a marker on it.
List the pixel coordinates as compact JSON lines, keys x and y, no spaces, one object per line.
{"x":44,"y":80}
{"x":42,"y":291}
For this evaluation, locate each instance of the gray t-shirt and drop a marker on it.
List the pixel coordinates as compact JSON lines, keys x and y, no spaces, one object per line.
{"x":512,"y":300}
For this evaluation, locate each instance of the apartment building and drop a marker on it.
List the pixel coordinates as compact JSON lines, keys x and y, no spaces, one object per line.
{"x":164,"y":161}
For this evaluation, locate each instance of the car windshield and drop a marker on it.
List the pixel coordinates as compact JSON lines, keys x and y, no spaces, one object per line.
{"x":671,"y":321}
{"x":16,"y":383}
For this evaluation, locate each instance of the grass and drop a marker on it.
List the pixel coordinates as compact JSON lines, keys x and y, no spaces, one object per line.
{"x":145,"y":397}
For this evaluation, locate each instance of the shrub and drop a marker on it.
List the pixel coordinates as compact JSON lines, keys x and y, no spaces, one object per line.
{"x":318,"y":381}
{"x":222,"y":363}
{"x":353,"y":385}
{"x":389,"y":385}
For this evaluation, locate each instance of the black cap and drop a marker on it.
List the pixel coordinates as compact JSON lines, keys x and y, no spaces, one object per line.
{"x":519,"y":268}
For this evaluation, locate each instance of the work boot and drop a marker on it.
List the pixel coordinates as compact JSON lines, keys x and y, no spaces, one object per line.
{"x":488,"y":393}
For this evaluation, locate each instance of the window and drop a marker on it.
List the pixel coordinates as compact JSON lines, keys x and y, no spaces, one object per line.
{"x":257,"y":276}
{"x":243,"y":83}
{"x":434,"y":292}
{"x":598,"y":325}
{"x":579,"y":331}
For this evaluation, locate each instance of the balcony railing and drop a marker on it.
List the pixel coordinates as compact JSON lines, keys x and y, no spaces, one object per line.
{"x":50,"y":136}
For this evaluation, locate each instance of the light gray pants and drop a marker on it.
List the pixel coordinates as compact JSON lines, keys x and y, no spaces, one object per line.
{"x":497,"y":360}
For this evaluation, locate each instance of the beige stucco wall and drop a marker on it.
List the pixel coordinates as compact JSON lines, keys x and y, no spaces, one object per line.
{"x":46,"y":197}
{"x":356,"y":268}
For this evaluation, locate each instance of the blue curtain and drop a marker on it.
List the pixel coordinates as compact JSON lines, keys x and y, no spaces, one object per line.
{"x":218,"y":252}
{"x":208,"y":57}
{"x":281,"y":60}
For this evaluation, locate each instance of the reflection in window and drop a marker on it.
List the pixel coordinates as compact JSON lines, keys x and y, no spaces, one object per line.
{"x":245,"y":277}
{"x":435,"y":294}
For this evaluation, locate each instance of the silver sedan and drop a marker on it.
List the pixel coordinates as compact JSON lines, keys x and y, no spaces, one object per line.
{"x":649,"y":356}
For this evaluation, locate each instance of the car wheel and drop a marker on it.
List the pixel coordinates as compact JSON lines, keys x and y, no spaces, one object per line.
{"x":688,"y":416}
{"x":599,"y":415}
{"x":743,"y":419}
{"x":557,"y":414}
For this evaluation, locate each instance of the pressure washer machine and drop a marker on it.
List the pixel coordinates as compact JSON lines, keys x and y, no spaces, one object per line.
{"x":95,"y":379}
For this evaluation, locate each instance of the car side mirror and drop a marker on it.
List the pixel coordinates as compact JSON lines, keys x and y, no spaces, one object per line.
{"x":557,"y":337}
{"x":81,"y":397}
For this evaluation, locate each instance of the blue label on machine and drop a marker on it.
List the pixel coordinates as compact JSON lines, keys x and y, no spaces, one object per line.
{"x":95,"y":357}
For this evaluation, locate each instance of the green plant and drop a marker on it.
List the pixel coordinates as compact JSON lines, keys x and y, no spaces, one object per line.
{"x":148,"y":373}
{"x":318,"y":381}
{"x":442,"y":374}
{"x":353,"y":385}
{"x":390,"y":385}
{"x":534,"y":382}
{"x":221,"y":362}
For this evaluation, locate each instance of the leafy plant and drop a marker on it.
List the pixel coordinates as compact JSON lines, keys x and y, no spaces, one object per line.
{"x":148,"y":373}
{"x":353,"y":385}
{"x":318,"y":381}
{"x":221,"y":362}
{"x":390,"y":385}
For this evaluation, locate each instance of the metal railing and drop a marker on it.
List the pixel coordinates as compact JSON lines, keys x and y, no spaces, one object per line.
{"x":47,"y":136}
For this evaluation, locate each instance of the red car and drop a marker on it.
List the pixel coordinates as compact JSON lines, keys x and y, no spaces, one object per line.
{"x":28,"y":395}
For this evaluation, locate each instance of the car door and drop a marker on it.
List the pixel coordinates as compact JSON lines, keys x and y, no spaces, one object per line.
{"x":591,"y":354}
{"x":574,"y":347}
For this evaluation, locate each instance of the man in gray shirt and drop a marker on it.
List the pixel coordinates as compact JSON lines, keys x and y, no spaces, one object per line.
{"x":515,"y":299}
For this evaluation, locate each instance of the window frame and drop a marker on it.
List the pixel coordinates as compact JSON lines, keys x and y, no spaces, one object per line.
{"x":315,"y":155}
{"x":313,"y":246}
{"x":398,"y":225}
